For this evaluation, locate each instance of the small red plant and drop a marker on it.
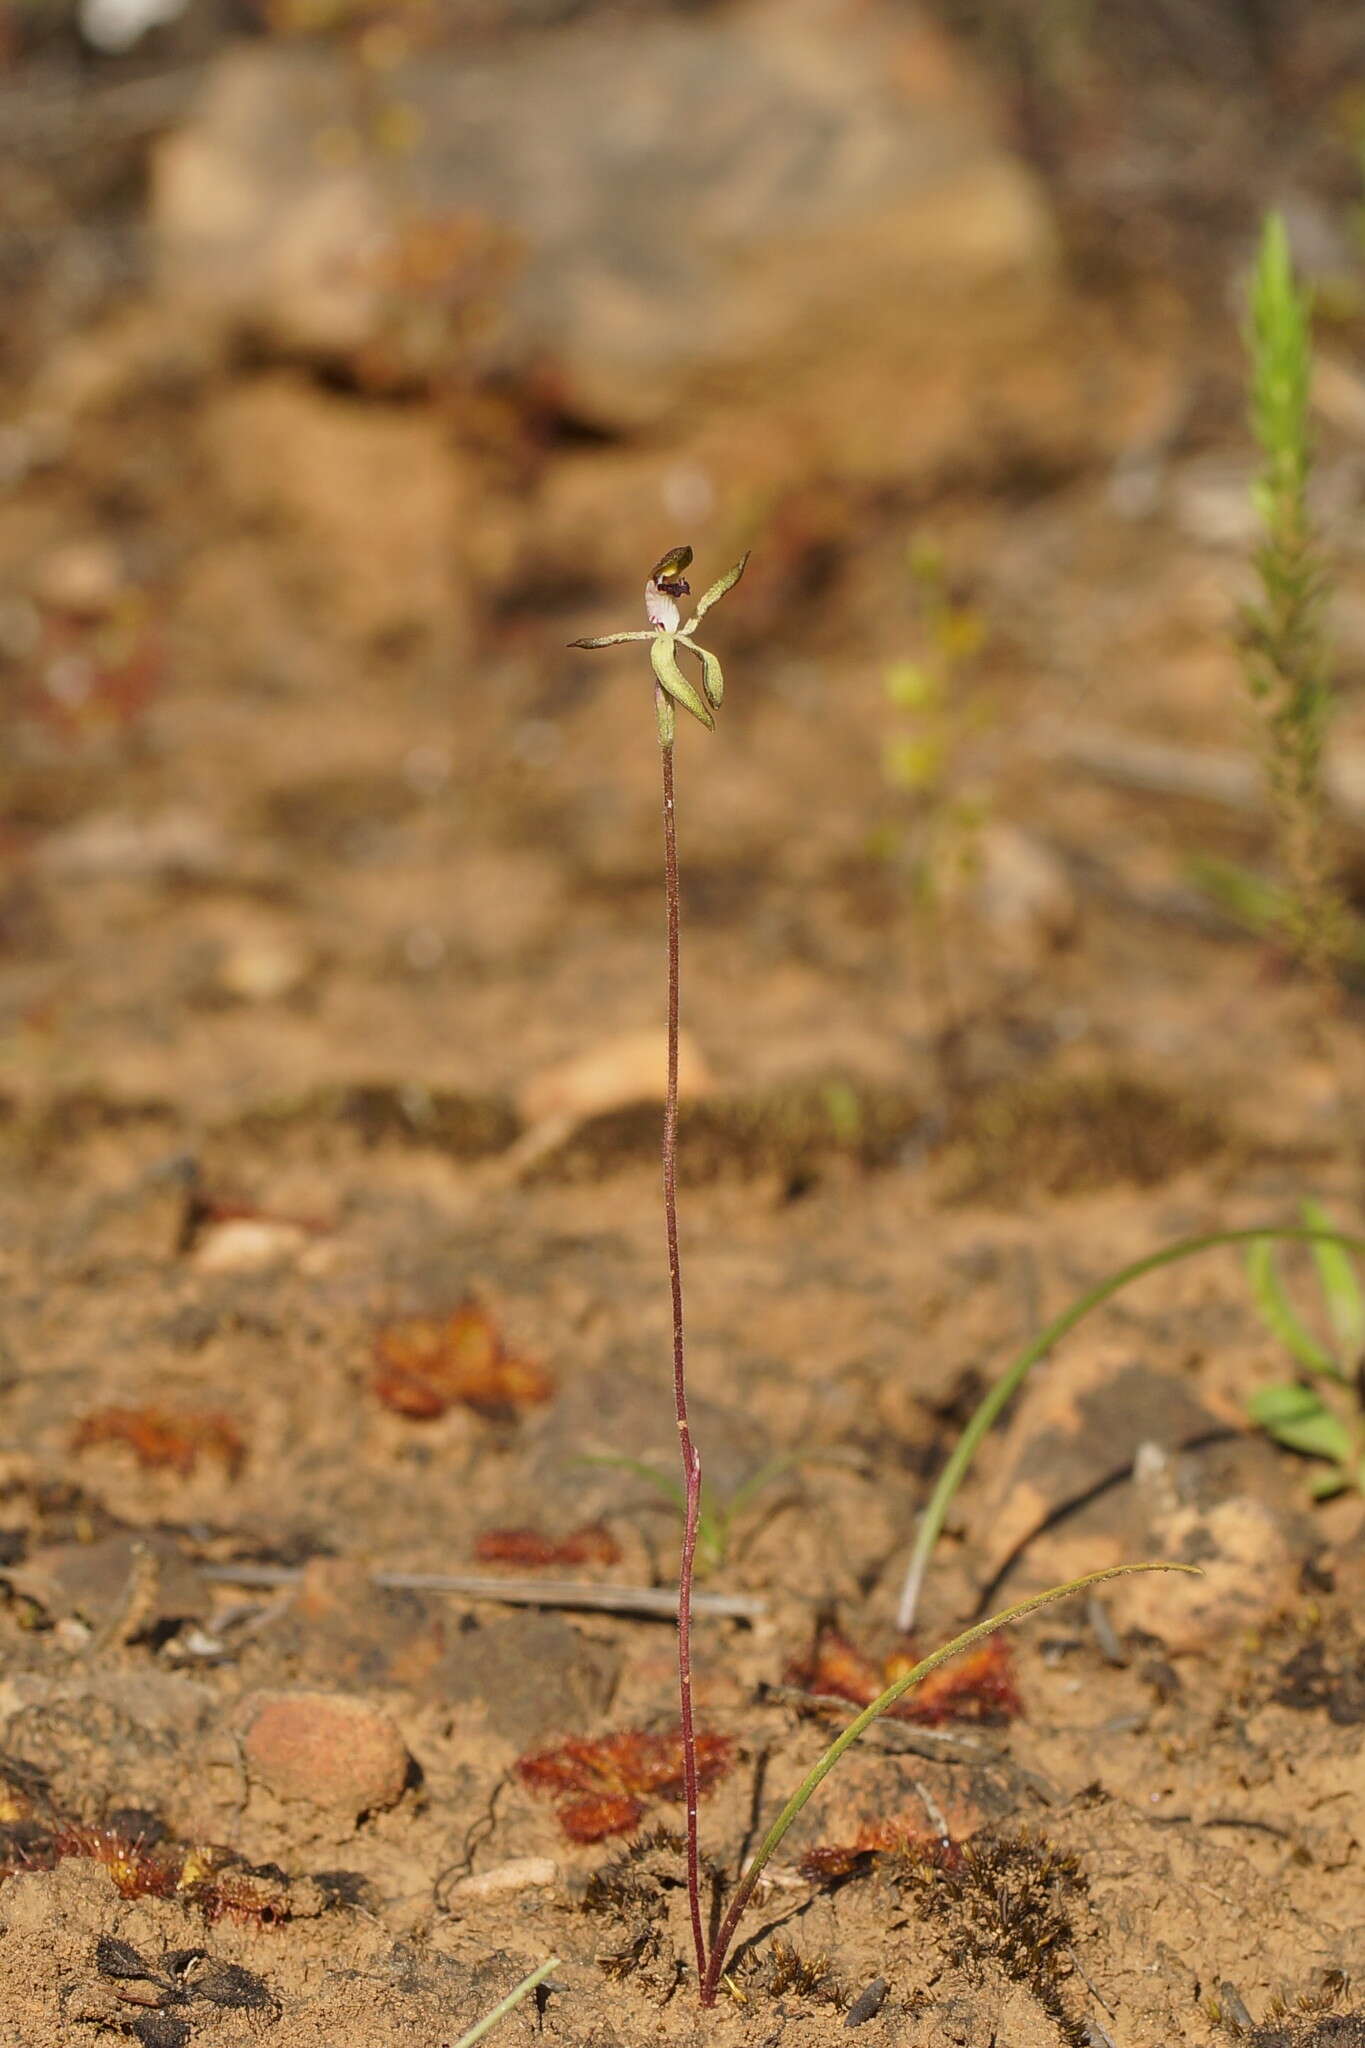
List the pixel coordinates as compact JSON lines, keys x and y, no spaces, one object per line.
{"x":604,"y":1784}
{"x":162,"y":1440}
{"x":138,"y":1868}
{"x":976,"y":1687}
{"x":529,"y":1548}
{"x":426,"y":1364}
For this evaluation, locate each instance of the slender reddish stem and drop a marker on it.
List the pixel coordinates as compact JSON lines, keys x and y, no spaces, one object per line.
{"x":691,"y":1462}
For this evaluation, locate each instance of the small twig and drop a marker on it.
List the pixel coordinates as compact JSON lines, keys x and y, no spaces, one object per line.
{"x":934,"y":1811}
{"x":1106,"y":1635}
{"x":136,"y":1604}
{"x":1231,"y":2000}
{"x":648,"y":1600}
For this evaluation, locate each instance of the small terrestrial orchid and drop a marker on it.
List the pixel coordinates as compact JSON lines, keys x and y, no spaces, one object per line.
{"x":667,"y":583}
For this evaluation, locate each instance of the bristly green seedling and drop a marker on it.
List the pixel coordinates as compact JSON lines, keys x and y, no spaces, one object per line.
{"x":1321,"y":1414}
{"x":667,"y":583}
{"x":1285,"y":646}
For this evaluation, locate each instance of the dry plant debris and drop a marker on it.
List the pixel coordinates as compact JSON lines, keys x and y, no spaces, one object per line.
{"x":163,"y":1440}
{"x":529,"y":1548}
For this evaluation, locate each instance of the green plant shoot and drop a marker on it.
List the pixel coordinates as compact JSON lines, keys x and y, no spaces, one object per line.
{"x":1285,"y":648}
{"x":1321,"y":1412}
{"x":993,"y":1402}
{"x":716,"y":1520}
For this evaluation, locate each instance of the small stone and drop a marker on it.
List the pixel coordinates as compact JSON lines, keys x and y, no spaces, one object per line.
{"x":248,"y":1244}
{"x":1250,"y":1574}
{"x":520,"y":1874}
{"x":325,"y":1750}
{"x":632,"y":1067}
{"x":262,"y":970}
{"x":82,"y":577}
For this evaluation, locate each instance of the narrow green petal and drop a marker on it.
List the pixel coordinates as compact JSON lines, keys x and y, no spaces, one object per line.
{"x":672,"y":679}
{"x":717,"y":591}
{"x":667,"y":717}
{"x":610,"y":639}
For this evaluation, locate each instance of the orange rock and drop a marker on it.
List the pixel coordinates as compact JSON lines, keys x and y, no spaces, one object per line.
{"x":325,"y":1750}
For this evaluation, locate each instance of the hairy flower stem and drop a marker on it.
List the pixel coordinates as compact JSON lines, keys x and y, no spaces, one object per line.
{"x":691,"y":1462}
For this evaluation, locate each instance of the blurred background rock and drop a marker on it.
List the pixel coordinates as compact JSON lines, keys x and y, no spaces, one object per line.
{"x":357,"y":355}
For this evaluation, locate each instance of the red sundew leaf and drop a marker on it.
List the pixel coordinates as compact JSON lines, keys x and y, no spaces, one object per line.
{"x":976,"y":1687}
{"x":603,"y":1814}
{"x":529,"y":1548}
{"x":163,"y":1441}
{"x":574,"y":1766}
{"x":629,"y":1768}
{"x":426,"y":1364}
{"x":137,"y":1870}
{"x":835,"y":1667}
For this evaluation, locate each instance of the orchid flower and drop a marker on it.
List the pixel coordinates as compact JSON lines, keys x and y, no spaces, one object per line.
{"x":667,"y":583}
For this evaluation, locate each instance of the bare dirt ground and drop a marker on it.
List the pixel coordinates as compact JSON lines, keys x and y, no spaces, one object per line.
{"x":322,"y":857}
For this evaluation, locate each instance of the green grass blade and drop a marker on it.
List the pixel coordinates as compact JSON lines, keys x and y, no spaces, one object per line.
{"x":996,"y":1397}
{"x":777,"y":1467}
{"x":506,"y":2005}
{"x":1340,"y":1288}
{"x":1300,"y":1419}
{"x":672,"y":1489}
{"x":712,"y":1529}
{"x":1279,"y":1315}
{"x":884,"y":1701}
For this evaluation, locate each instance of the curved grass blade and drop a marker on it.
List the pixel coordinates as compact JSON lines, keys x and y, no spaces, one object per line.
{"x":1279,"y":1315}
{"x":672,"y":679}
{"x":1340,"y":1288}
{"x":996,"y":1397}
{"x":1005,"y":1619}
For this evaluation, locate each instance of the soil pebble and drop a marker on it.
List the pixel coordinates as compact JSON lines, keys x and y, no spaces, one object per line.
{"x":325,"y":1750}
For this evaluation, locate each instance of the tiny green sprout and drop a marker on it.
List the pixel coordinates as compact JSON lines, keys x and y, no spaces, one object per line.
{"x":1320,"y":1413}
{"x":716,"y":1520}
{"x":666,"y":634}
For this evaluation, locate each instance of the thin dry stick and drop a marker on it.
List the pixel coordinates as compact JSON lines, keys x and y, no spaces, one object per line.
{"x":691,"y":1460}
{"x":607,"y":1599}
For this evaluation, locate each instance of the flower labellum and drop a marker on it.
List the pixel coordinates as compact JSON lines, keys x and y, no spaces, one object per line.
{"x":665,"y":586}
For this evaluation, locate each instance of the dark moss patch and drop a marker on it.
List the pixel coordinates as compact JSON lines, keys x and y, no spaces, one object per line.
{"x":465,"y":1126}
{"x":1075,"y":1134}
{"x":798,"y":1132}
{"x":1005,"y":1901}
{"x":1321,"y":1676}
